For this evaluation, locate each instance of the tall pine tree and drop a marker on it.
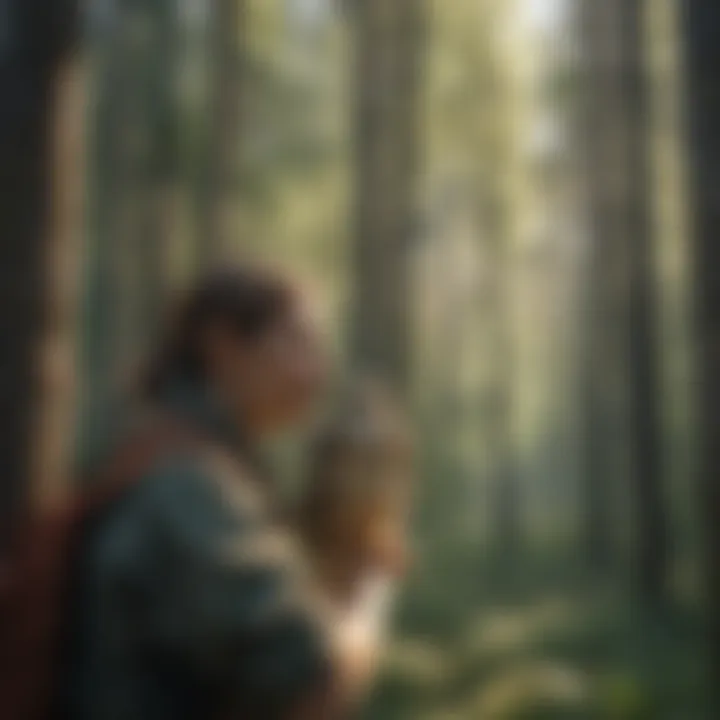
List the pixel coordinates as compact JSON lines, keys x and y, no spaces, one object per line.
{"x":701,"y":30}
{"x":389,"y":38}
{"x":37,"y":213}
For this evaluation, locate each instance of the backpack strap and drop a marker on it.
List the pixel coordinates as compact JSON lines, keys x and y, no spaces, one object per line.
{"x":37,"y":587}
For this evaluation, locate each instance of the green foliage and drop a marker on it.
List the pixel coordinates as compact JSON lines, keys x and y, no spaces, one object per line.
{"x":551,"y":656}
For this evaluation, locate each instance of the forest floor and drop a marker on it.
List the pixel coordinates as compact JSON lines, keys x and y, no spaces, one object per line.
{"x":539,"y":655}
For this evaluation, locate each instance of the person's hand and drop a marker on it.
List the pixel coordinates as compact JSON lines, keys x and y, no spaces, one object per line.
{"x":357,"y":648}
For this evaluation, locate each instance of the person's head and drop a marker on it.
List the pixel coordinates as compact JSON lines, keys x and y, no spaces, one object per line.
{"x":357,"y":495}
{"x":246,"y":334}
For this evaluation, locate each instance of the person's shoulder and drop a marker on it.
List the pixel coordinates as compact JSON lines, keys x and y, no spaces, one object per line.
{"x":174,"y":502}
{"x":200,"y":486}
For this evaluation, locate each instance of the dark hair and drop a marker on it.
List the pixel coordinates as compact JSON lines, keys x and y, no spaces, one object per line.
{"x":248,"y":299}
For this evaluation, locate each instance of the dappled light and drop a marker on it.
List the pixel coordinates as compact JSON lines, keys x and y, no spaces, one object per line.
{"x":454,"y":257}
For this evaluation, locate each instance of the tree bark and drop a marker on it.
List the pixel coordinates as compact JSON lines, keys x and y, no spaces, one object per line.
{"x":388,"y":52}
{"x":645,"y":387}
{"x":220,"y":164}
{"x":497,"y":234}
{"x":623,"y":432}
{"x":109,"y":333}
{"x":38,"y":213}
{"x":701,"y":29}
{"x":159,"y":170}
{"x":600,"y":342}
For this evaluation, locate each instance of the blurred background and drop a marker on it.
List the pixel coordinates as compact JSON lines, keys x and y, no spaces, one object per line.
{"x":506,"y":206}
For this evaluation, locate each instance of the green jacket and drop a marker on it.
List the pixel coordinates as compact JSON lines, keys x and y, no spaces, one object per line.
{"x":188,"y":599}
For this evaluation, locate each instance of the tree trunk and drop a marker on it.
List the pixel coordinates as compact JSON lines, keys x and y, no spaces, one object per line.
{"x":599,"y":340}
{"x":109,"y":319}
{"x":617,"y":341}
{"x":497,"y":236}
{"x":388,"y":44}
{"x":506,"y":500}
{"x":37,"y":213}
{"x":621,"y":326}
{"x":645,"y":387}
{"x":220,"y":164}
{"x":701,"y":31}
{"x":158,"y":170}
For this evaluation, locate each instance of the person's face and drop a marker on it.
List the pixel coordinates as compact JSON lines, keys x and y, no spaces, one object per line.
{"x":273,"y":382}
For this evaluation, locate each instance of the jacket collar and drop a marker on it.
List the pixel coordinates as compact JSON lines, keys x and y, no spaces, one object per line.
{"x":196,"y":404}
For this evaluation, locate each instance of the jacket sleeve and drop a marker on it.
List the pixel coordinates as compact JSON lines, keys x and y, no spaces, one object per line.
{"x":223,"y":593}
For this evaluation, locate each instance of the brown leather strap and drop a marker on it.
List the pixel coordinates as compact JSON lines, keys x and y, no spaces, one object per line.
{"x":135,"y":457}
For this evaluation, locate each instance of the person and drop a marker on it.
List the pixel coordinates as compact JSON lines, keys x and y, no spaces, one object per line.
{"x":190,"y":599}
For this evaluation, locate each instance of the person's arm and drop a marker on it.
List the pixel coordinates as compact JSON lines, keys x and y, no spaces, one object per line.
{"x":356,"y":637}
{"x":229,"y":602}
{"x":361,"y":632}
